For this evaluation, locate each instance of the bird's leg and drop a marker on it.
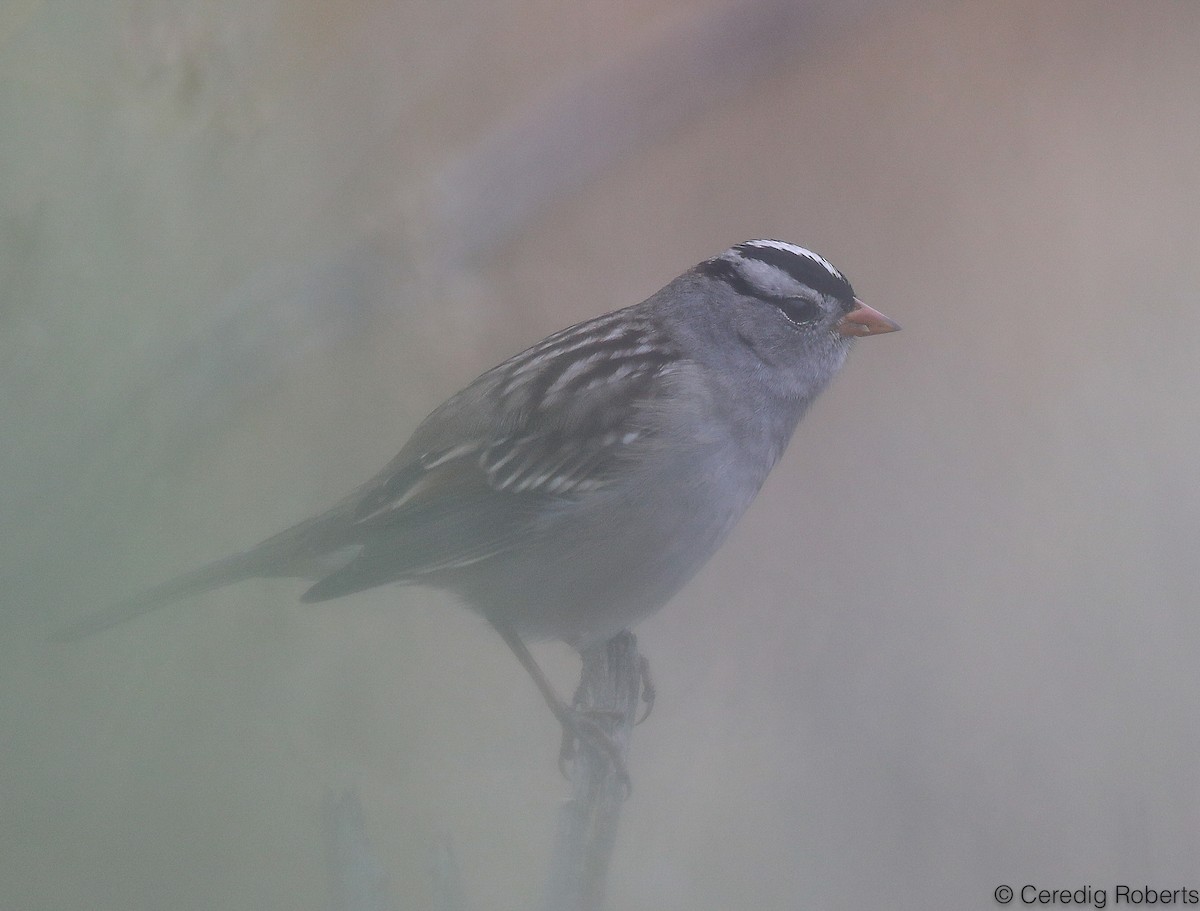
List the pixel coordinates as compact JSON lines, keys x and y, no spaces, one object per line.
{"x":578,"y":724}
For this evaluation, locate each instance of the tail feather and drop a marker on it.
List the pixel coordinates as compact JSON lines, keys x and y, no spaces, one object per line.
{"x":213,"y":575}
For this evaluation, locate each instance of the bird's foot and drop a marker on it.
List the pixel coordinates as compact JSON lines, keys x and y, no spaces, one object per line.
{"x":647,"y":692}
{"x":591,"y":728}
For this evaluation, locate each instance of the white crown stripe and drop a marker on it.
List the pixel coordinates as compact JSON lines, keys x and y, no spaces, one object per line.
{"x":799,"y":251}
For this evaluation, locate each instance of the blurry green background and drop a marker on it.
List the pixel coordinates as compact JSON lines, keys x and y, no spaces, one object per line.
{"x":244,"y":248}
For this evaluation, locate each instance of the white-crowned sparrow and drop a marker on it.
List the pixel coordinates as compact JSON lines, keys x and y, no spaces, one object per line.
{"x":573,"y":489}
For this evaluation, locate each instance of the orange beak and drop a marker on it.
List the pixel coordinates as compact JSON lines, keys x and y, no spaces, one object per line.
{"x":863,"y":320}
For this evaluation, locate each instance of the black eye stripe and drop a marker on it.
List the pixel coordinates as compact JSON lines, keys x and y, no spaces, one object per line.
{"x":801,"y":268}
{"x":727,"y":272}
{"x":817,"y":277}
{"x":799,"y":310}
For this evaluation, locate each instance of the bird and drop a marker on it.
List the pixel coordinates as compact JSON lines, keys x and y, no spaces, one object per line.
{"x":573,"y":489}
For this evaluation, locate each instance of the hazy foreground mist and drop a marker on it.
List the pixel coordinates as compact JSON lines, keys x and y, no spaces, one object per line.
{"x":244,"y":248}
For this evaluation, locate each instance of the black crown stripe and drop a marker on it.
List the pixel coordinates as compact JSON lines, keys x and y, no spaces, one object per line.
{"x":724,"y":270}
{"x":801,"y":268}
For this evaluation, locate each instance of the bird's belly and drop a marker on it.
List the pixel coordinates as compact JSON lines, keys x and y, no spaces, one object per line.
{"x":588,"y":578}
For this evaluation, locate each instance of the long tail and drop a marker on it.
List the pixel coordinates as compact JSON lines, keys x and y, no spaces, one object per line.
{"x":213,"y":575}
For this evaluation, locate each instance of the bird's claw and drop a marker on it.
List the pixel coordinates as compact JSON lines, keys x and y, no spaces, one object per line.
{"x":588,"y":726}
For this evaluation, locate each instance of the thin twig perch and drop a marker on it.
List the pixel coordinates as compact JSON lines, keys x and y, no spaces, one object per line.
{"x":610,"y":686}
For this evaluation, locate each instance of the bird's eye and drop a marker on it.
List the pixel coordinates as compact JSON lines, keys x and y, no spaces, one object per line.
{"x":799,"y":310}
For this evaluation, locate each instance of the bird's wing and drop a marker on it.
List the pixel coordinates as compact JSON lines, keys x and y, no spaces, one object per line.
{"x":484,"y":472}
{"x":470,"y":484}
